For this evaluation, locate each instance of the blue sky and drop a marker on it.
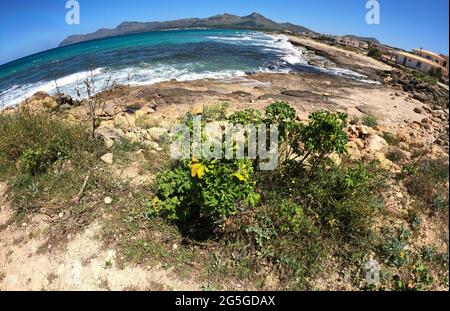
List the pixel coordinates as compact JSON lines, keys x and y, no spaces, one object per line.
{"x":30,"y":26}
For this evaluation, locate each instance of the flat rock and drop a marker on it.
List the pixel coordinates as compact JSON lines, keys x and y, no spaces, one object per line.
{"x":108,"y":158}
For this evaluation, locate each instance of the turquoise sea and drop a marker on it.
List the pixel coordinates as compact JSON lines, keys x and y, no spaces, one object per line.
{"x":152,"y":57}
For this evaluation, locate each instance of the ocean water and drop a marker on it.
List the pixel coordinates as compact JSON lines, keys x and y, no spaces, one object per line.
{"x":153,"y":57}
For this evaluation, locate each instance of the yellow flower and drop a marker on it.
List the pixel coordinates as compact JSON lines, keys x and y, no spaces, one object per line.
{"x":155,"y":202}
{"x":402,"y":254}
{"x":198,"y":169}
{"x":242,"y":173}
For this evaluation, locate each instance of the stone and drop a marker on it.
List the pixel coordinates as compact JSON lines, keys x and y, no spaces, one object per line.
{"x":426,"y":121}
{"x":157,"y":132}
{"x":353,"y":150}
{"x":420,"y":96}
{"x":124,"y":121}
{"x":110,"y":109}
{"x":39,"y":102}
{"x":384,"y":163}
{"x":152,"y":145}
{"x":375,"y":143}
{"x":359,"y":142}
{"x":427,"y":109}
{"x":108,"y":158}
{"x":426,"y":126}
{"x":65,"y":107}
{"x":132,"y":137}
{"x":109,"y":143}
{"x":418,"y":110}
{"x":108,"y":200}
{"x":403,"y":145}
{"x":144,"y":112}
{"x":130,"y":172}
{"x":110,"y":133}
{"x":335,"y":158}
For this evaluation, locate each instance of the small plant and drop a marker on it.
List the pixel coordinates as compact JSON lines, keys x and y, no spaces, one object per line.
{"x":322,"y":136}
{"x":390,"y":138}
{"x":215,"y":112}
{"x":393,"y":249}
{"x":427,"y":180}
{"x":395,"y":154}
{"x":292,"y":218}
{"x":370,"y":121}
{"x":246,"y":117}
{"x":414,"y":219}
{"x":428,"y":253}
{"x":95,"y":102}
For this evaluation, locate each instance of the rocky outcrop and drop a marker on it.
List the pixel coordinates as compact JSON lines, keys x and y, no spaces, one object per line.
{"x":433,"y":95}
{"x":39,"y":102}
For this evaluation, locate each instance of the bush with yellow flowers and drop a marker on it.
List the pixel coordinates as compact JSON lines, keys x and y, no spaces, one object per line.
{"x":205,"y":188}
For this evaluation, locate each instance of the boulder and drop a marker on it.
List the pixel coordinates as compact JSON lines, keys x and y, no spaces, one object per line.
{"x":39,"y":102}
{"x":157,"y":132}
{"x":132,"y":137}
{"x":110,"y":132}
{"x":144,"y":112}
{"x":110,"y":109}
{"x":125,"y":122}
{"x":384,"y":163}
{"x":420,"y":96}
{"x":375,"y":143}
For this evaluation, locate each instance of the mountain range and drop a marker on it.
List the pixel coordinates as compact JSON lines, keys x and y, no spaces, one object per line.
{"x":253,"y":21}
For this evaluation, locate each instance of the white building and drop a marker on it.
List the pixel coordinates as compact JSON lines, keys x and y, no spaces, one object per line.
{"x":423,"y":61}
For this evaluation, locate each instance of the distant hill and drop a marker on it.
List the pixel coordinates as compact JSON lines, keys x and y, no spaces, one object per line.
{"x":367,"y":39}
{"x":253,"y":21}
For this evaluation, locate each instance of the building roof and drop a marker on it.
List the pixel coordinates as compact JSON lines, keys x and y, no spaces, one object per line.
{"x":416,"y":57}
{"x":428,"y":53}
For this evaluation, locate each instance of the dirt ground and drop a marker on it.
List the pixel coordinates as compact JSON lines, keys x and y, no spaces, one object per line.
{"x":82,"y":264}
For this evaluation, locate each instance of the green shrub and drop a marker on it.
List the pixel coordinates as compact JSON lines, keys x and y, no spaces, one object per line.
{"x":283,"y":115}
{"x":427,"y":180}
{"x":208,"y":188}
{"x":393,"y":248}
{"x":291,"y":217}
{"x":325,"y":133}
{"x":374,"y":53}
{"x":369,"y":121}
{"x":345,"y":198}
{"x":45,"y":160}
{"x":37,"y":141}
{"x":215,"y":112}
{"x":390,"y":138}
{"x":246,"y":117}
